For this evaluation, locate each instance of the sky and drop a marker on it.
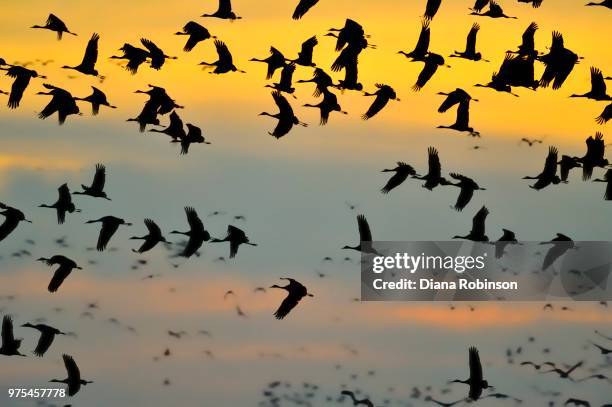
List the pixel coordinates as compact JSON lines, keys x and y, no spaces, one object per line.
{"x":293,"y":193}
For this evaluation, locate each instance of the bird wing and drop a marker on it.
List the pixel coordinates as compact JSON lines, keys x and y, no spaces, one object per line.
{"x":154,"y":230}
{"x":365,"y":235}
{"x":44,"y":343}
{"x":379,"y":103}
{"x":74,"y":375}
{"x":307,"y":46}
{"x":7,"y":330}
{"x":52,"y":107}
{"x":598,"y":84}
{"x":528,"y":41}
{"x":303,"y":7}
{"x":435,"y":168}
{"x":556,"y":251}
{"x":107,"y":231}
{"x":394,"y":181}
{"x":223,"y":52}
{"x":465,"y":196}
{"x":478,"y":228}
{"x":225,"y":6}
{"x":475,"y":366}
{"x":195,"y":223}
{"x":550,"y":166}
{"x":17,"y":88}
{"x":428,"y":71}
{"x":451,"y":100}
{"x":463,"y":114}
{"x":287,"y":305}
{"x":479,"y":5}
{"x":58,"y":278}
{"x":99,"y":178}
{"x":282,"y":128}
{"x":282,"y":103}
{"x":470,"y":46}
{"x":422,"y":45}
{"x":431,"y":8}
{"x":150,"y":45}
{"x":91,"y":52}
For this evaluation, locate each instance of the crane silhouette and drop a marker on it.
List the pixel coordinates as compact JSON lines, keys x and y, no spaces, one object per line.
{"x":566,"y":164}
{"x":285,"y":84}
{"x":54,"y":23}
{"x":421,"y":49}
{"x":47,"y":335}
{"x":196,"y":32}
{"x":65,"y":267}
{"x":302,"y":8}
{"x":433,"y":178}
{"x":10,"y":345}
{"x":157,"y":55}
{"x":63,"y":204}
{"x":477,"y":234}
{"x":148,"y":115}
{"x":134,"y":55}
{"x":224,"y":11}
{"x":193,"y":136}
{"x":306,"y":52}
{"x":432,"y":62}
{"x":454,"y":97}
{"x":565,"y":374}
{"x":470,"y":47}
{"x":384,"y":94}
{"x":608,"y":180}
{"x":508,"y":237}
{"x":87,"y":65}
{"x":548,"y":175}
{"x":594,"y":157}
{"x":197,"y":233}
{"x":236,"y":237}
{"x":559,"y":62}
{"x":161,"y":101}
{"x":462,"y":123}
{"x":285,"y":116}
{"x":12,"y":218}
{"x":365,"y":237}
{"x":151,"y":240}
{"x":295,"y":292}
{"x":110,"y":224}
{"x":225,"y":63}
{"x":22,"y":78}
{"x":494,"y":11}
{"x":321,"y":79}
{"x":327,"y":105}
{"x":467,"y":186}
{"x":476,"y":380}
{"x":97,"y":99}
{"x":598,"y":87}
{"x":96,"y":189}
{"x":527,"y":47}
{"x":62,"y":103}
{"x":73,"y":381}
{"x":275,"y":61}
{"x":402,"y":172}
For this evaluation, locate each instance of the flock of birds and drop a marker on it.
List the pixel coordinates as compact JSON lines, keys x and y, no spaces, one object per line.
{"x":517,"y":70}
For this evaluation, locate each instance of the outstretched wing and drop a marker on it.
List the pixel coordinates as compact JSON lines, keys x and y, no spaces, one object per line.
{"x":74,"y":375}
{"x":303,"y":7}
{"x":223,"y":52}
{"x":286,"y":306}
{"x":435,"y":168}
{"x":58,"y":278}
{"x":99,"y":178}
{"x":365,"y":235}
{"x":91,"y":53}
{"x":379,"y":103}
{"x":7,"y":330}
{"x":475,"y":366}
{"x":470,"y":46}
{"x":44,"y":343}
{"x":478,"y":222}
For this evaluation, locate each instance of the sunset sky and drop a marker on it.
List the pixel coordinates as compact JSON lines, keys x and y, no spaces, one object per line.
{"x":293,"y":192}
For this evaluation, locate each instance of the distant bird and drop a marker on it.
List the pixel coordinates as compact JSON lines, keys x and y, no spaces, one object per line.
{"x":420,"y":51}
{"x":462,"y":122}
{"x":467,"y":186}
{"x":235,"y":236}
{"x":577,"y":402}
{"x":452,"y":98}
{"x":151,"y":240}
{"x":477,"y":234}
{"x":47,"y":334}
{"x":110,"y":224}
{"x":285,"y":116}
{"x":22,"y":79}
{"x":494,"y":11}
{"x":434,"y":175}
{"x":275,"y":61}
{"x":431,"y":8}
{"x":134,"y":55}
{"x":327,"y":105}
{"x":470,"y":47}
{"x":302,"y":8}
{"x":604,"y":3}
{"x":357,"y":402}
{"x":441,"y":403}
{"x":559,"y":62}
{"x":62,"y":103}
{"x":66,"y":266}
{"x":560,"y":245}
{"x":594,"y":157}
{"x":305,"y":55}
{"x":475,"y":381}
{"x":605,"y":115}
{"x":97,"y":99}
{"x":384,"y":94}
{"x":566,"y":164}
{"x":602,"y":350}
{"x":565,"y":374}
{"x":225,"y":63}
{"x":608,"y":180}
{"x":598,"y":87}
{"x":321,"y":79}
{"x":87,"y":65}
{"x":531,"y":142}
{"x":285,"y":83}
{"x":402,"y":172}
{"x":365,"y":237}
{"x":534,"y":3}
{"x":73,"y":380}
{"x":193,"y":136}
{"x":224,"y":11}
{"x":63,"y":204}
{"x":55,"y":24}
{"x":197,"y":233}
{"x":96,"y":190}
{"x":507,"y":238}
{"x":175,"y":128}
{"x":10,"y":345}
{"x":196,"y":33}
{"x":432,"y":62}
{"x":12,"y":218}
{"x":527,"y":47}
{"x":157,"y":55}
{"x":296,"y":291}
{"x":548,"y":175}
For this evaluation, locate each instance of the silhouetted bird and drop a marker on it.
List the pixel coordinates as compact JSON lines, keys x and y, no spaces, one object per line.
{"x":432,"y":62}
{"x":97,"y":99}
{"x":193,"y":136}
{"x":594,"y":157}
{"x":565,"y":374}
{"x":12,"y":218}
{"x":431,"y":8}
{"x":566,"y":164}
{"x":87,"y":65}
{"x":296,"y":291}
{"x":527,"y":47}
{"x":560,"y":245}
{"x":285,"y":116}
{"x":225,"y":63}
{"x":197,"y":234}
{"x":494,"y":11}
{"x":604,"y":3}
{"x":275,"y":61}
{"x":598,"y":87}
{"x":66,"y":266}
{"x":327,"y":105}
{"x":302,"y":8}
{"x":357,"y":402}
{"x":10,"y":345}
{"x":148,"y":115}
{"x":157,"y":55}
{"x":352,"y":32}
{"x":55,"y":24}
{"x":47,"y":334}
{"x":470,"y":47}
{"x":62,"y":103}
{"x":305,"y":55}
{"x":285,"y":84}
{"x":500,"y":246}
{"x":365,"y":237}
{"x":420,"y":51}
{"x":321,"y":79}
{"x":452,"y":98}
{"x":63,"y":204}
{"x":73,"y":380}
{"x":161,"y":101}
{"x":235,"y":237}
{"x":468,"y":186}
{"x":402,"y":172}
{"x":224,"y":11}
{"x":134,"y":55}
{"x":196,"y":33}
{"x":152,"y":239}
{"x":559,"y":62}
{"x":351,"y":73}
{"x":175,"y":128}
{"x":110,"y":224}
{"x":475,"y":381}
{"x":434,"y":176}
{"x":605,"y":115}
{"x":548,"y":175}
{"x":462,"y":122}
{"x":384,"y":94}
{"x":22,"y":79}
{"x":96,"y":190}
{"x":531,"y":142}
{"x":608,"y":180}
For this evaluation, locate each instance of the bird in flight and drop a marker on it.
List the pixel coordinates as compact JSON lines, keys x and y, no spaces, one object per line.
{"x":470,"y":47}
{"x":151,"y":240}
{"x":565,"y":374}
{"x":508,"y":238}
{"x":22,"y":78}
{"x":224,"y":11}
{"x":365,"y":237}
{"x":402,"y":172}
{"x":560,"y":245}
{"x":384,"y":94}
{"x":605,"y":115}
{"x":476,"y":380}
{"x":306,"y":52}
{"x":302,"y":8}
{"x":62,"y":103}
{"x":134,"y":55}
{"x":494,"y":11}
{"x":156,"y":54}
{"x":432,"y":62}
{"x":421,"y":49}
{"x":10,"y":345}
{"x":559,"y":62}
{"x":236,"y":237}
{"x":467,"y":186}
{"x":462,"y":121}
{"x":477,"y":234}
{"x":73,"y":380}
{"x":54,"y":23}
{"x":97,"y":99}
{"x":548,"y":175}
{"x":196,"y":32}
{"x":598,"y":87}
{"x":63,"y":204}
{"x":96,"y":190}
{"x":285,"y":116}
{"x":431,"y":8}
{"x":65,"y":267}
{"x":197,"y":233}
{"x":327,"y":105}
{"x":295,"y":292}
{"x":47,"y":335}
{"x":88,"y":64}
{"x":110,"y":224}
{"x":594,"y":157}
{"x":225,"y":63}
{"x":12,"y":218}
